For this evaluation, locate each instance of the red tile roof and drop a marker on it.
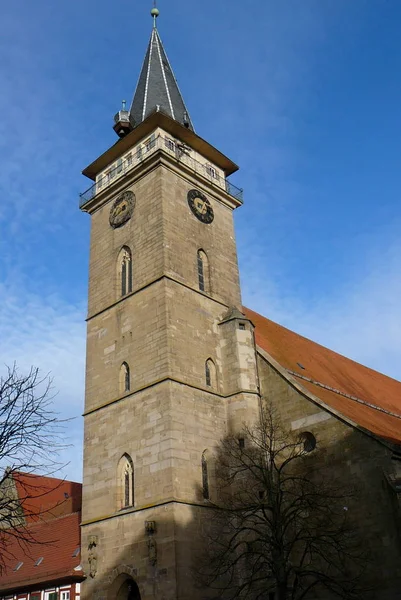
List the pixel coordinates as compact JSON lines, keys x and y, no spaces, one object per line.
{"x":332,"y":377}
{"x":56,"y":542}
{"x":45,"y":498}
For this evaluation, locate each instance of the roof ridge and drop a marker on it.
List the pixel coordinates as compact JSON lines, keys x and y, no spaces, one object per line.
{"x":300,"y":335}
{"x":158,"y":42}
{"x":349,"y":396}
{"x":39,"y":476}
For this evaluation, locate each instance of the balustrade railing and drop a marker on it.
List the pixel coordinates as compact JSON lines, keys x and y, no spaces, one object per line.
{"x":143,"y":151}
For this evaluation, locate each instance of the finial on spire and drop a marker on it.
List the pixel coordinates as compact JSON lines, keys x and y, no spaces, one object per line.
{"x":155,"y":13}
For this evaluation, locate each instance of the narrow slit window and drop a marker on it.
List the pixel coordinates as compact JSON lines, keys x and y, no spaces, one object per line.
{"x":203,"y":271}
{"x":125,"y":379}
{"x":201,"y":275}
{"x":125,"y":271}
{"x":205,"y":478}
{"x":210,"y":373}
{"x":126,"y":488}
{"x":125,"y":482}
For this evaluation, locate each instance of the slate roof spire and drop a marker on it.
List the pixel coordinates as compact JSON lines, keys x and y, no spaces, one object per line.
{"x":157,"y":87}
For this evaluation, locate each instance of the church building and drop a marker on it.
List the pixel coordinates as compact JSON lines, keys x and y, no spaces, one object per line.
{"x":175,"y":362}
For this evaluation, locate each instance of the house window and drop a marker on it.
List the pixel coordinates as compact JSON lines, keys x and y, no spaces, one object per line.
{"x":125,"y":271}
{"x":242,"y":326}
{"x":119,"y":167}
{"x":51,"y":595}
{"x":107,"y":176}
{"x":124,"y":378}
{"x":125,"y":482}
{"x":170,"y":144}
{"x":150,"y":143}
{"x":128,"y":158}
{"x":139,"y":152}
{"x":65,"y":595}
{"x":205,"y":477}
{"x":241,"y":442}
{"x":211,"y":171}
{"x":203,"y":271}
{"x":100,"y":182}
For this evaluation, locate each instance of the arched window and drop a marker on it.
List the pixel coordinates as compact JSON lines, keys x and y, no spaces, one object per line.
{"x":125,"y":482}
{"x":125,"y":383}
{"x":210,"y":374}
{"x":125,"y":271}
{"x":203,"y":271}
{"x":205,"y":476}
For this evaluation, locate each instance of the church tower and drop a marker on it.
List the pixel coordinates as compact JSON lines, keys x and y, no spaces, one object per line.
{"x":171,"y":365}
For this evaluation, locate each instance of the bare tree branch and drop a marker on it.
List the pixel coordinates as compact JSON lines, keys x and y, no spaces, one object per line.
{"x":30,"y":440}
{"x":277,"y":527}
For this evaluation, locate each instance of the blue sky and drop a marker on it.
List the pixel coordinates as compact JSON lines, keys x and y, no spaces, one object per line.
{"x":304,"y":96}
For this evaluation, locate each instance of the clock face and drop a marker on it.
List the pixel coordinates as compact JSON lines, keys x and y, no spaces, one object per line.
{"x":200,"y":206}
{"x":122,"y":209}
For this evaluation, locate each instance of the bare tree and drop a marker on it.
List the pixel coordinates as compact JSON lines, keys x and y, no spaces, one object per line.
{"x":278,"y":530}
{"x":30,"y":438}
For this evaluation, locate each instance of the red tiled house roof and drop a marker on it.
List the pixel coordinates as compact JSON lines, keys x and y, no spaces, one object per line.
{"x":55,"y":541}
{"x":332,"y":378}
{"x":44,"y":498}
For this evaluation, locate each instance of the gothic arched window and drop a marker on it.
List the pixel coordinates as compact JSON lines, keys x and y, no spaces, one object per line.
{"x":210,"y":373}
{"x":125,"y":483}
{"x":203,"y":271}
{"x":124,"y":382}
{"x":205,"y":476}
{"x":125,"y":271}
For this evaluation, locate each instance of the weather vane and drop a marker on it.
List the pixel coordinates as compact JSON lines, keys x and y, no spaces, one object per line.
{"x":155,"y":13}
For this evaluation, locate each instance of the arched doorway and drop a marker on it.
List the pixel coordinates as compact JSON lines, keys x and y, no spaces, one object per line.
{"x":124,"y":588}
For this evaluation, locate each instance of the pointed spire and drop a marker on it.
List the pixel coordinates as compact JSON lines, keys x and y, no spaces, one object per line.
{"x":157,"y":88}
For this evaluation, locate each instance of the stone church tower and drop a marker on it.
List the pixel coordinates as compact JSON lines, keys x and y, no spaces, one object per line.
{"x":171,"y":361}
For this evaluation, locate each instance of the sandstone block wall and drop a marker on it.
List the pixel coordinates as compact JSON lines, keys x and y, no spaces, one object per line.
{"x":356,"y":459}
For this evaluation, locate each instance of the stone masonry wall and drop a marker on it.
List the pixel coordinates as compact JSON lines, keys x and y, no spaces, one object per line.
{"x":358,"y":460}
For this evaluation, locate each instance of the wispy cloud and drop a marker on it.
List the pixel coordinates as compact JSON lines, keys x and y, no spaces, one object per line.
{"x":49,"y":334}
{"x":361,"y":318}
